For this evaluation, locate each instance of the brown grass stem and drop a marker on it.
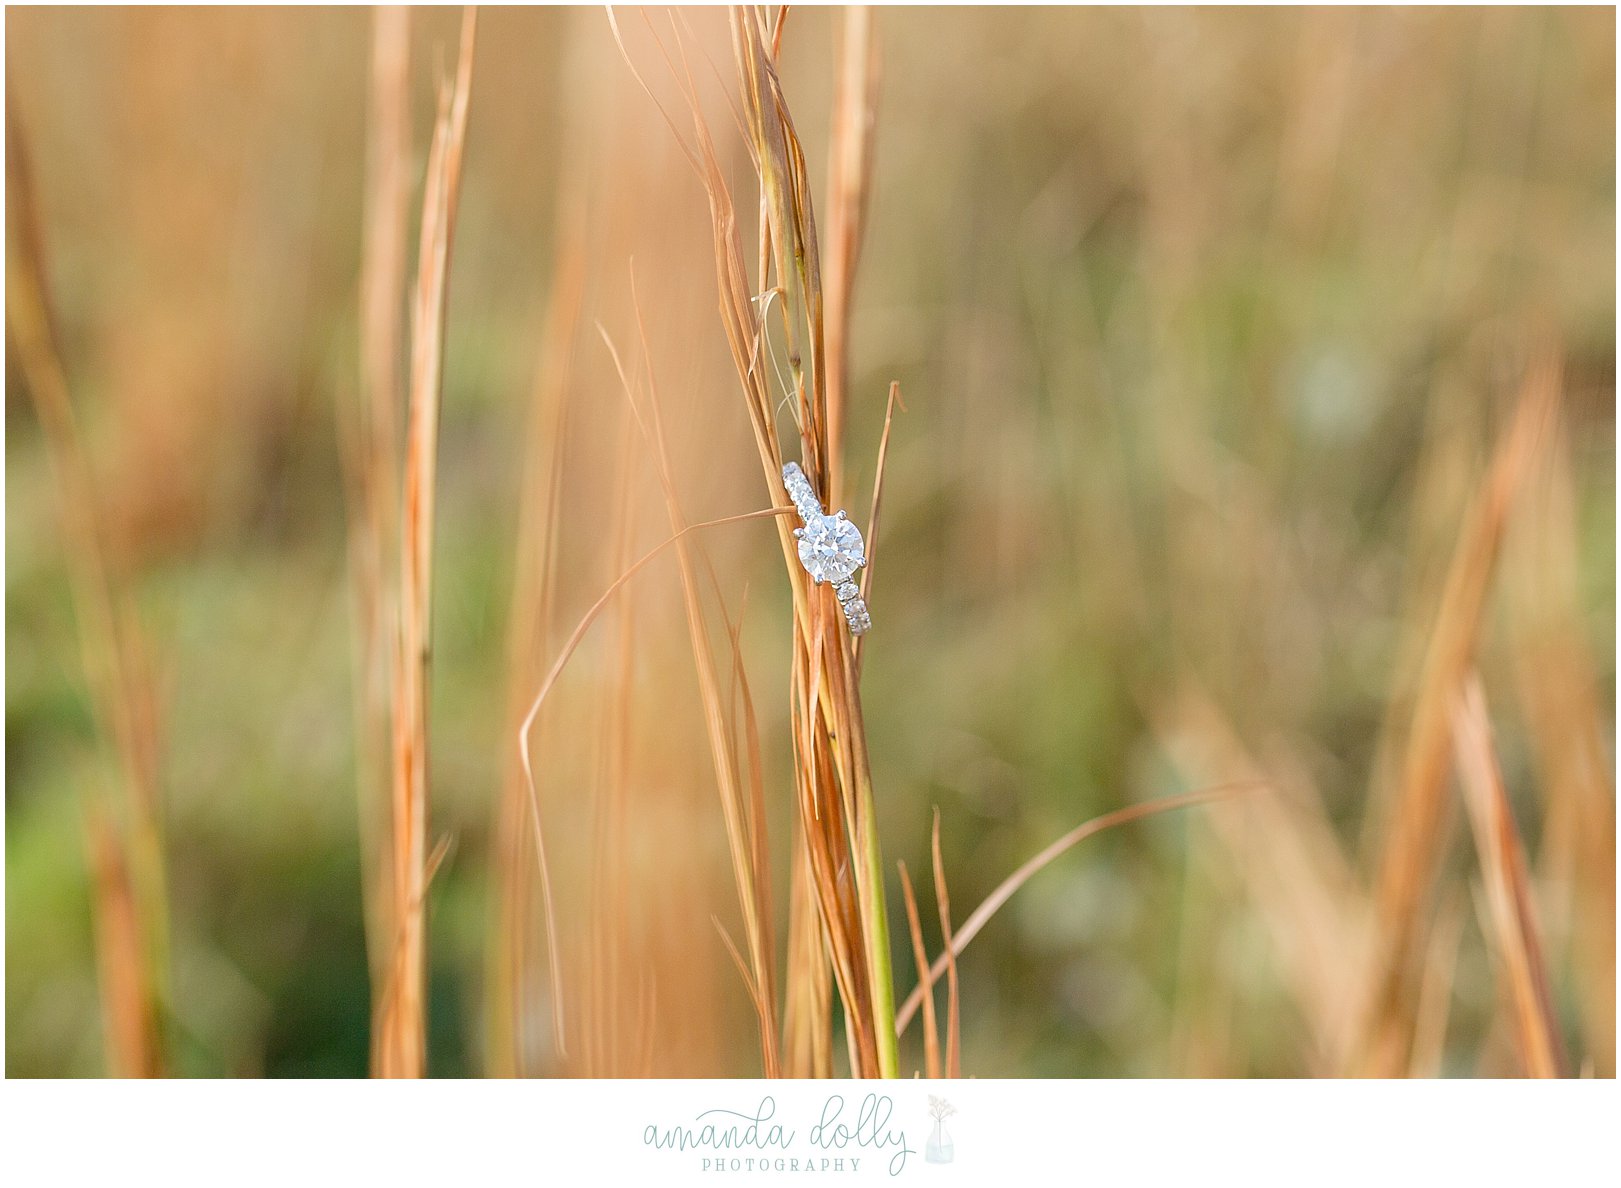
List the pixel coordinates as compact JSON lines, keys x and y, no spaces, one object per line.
{"x":744,"y":816}
{"x":942,"y":898}
{"x":369,"y":430}
{"x":403,"y":1014}
{"x":920,"y":954}
{"x":848,"y":192}
{"x":527,"y":724}
{"x":124,"y":828}
{"x":1415,"y":835}
{"x":980,"y":916}
{"x":1511,"y":919}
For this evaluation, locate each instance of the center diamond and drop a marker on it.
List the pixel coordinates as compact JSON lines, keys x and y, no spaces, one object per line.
{"x":831,"y":548}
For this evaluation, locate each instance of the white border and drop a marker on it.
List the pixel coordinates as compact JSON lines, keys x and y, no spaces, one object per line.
{"x":588,"y":1132}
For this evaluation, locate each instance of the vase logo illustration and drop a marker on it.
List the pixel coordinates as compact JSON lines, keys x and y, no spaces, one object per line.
{"x":939,"y":1148}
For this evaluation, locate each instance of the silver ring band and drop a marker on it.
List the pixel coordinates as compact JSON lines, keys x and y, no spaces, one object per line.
{"x":830,"y":547}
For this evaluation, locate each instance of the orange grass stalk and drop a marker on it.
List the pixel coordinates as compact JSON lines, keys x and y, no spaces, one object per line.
{"x":533,"y":599}
{"x":1415,"y":834}
{"x":1511,"y":921}
{"x":992,"y":903}
{"x":953,"y":1009}
{"x":833,"y":765}
{"x":124,"y":828}
{"x":369,"y":430}
{"x":920,"y":954}
{"x":837,"y":832}
{"x":607,"y":955}
{"x":874,"y":516}
{"x":1434,"y":1007}
{"x":849,"y":172}
{"x":744,"y":815}
{"x":128,"y":1018}
{"x":403,"y":1021}
{"x":808,"y":986}
{"x":538,"y":702}
{"x":1559,"y":691}
{"x":1282,"y":849}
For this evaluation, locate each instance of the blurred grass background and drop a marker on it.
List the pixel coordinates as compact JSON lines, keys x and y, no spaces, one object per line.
{"x":1206,"y":322}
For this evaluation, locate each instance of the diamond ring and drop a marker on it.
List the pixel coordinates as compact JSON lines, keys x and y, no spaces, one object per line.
{"x":830,"y":547}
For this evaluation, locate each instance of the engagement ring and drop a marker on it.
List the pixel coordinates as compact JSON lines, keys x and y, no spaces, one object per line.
{"x":830,"y":547}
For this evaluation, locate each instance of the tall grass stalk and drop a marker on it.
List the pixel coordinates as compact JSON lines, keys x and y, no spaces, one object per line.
{"x":836,"y":836}
{"x":123,"y":821}
{"x":560,"y":1013}
{"x":743,"y":809}
{"x":370,"y":435}
{"x":1511,"y":916}
{"x":1559,"y":690}
{"x":402,"y":1015}
{"x":1417,"y":828}
{"x":531,"y":612}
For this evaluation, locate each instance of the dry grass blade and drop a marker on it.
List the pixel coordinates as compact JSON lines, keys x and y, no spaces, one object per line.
{"x":785,"y":202}
{"x":758,"y":840}
{"x":823,"y":818}
{"x":1560,"y":692}
{"x":1415,"y":834}
{"x":877,"y":505}
{"x":1435,"y":991}
{"x":533,"y":597}
{"x":402,"y":1013}
{"x":1005,"y":890}
{"x":438,"y":857}
{"x":953,"y":1004}
{"x":833,"y":777}
{"x":920,"y":953}
{"x":129,"y":1020}
{"x":125,"y":829}
{"x":808,"y":991}
{"x":831,"y":686}
{"x":1512,"y":922}
{"x":760,"y":1008}
{"x":608,"y":947}
{"x":744,"y":815}
{"x":369,"y":430}
{"x":606,"y":597}
{"x":1282,"y":849}
{"x":848,"y":186}
{"x":539,"y":700}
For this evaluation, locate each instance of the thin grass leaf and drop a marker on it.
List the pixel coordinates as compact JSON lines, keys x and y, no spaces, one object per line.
{"x":980,"y":916}
{"x":1415,"y":836}
{"x":833,"y":777}
{"x":124,"y":825}
{"x":402,"y":1015}
{"x":1512,"y":920}
{"x":539,"y":700}
{"x":744,"y":818}
{"x":1560,"y":691}
{"x":877,"y":504}
{"x":130,"y":1026}
{"x":1435,"y":991}
{"x":953,"y":1004}
{"x":848,"y":190}
{"x":369,"y":430}
{"x":1283,"y":852}
{"x":920,"y":953}
{"x":531,"y":614}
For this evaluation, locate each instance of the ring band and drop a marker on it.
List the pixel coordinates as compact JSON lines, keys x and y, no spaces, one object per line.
{"x":830,"y":547}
